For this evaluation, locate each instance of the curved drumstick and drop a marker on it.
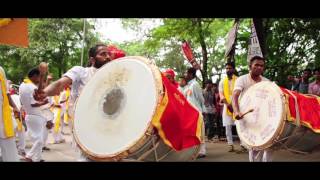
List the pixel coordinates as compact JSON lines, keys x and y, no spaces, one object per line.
{"x":240,"y":117}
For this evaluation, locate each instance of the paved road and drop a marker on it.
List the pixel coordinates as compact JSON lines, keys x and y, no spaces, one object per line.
{"x":216,"y":152}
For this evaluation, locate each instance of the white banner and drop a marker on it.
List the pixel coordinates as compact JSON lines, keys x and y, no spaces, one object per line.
{"x":231,"y":38}
{"x":254,"y":48}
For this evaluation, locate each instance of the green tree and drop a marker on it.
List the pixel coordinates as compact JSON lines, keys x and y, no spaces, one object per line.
{"x":56,"y":41}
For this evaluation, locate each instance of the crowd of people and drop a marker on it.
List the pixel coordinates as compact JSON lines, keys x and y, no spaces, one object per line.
{"x":304,"y":84}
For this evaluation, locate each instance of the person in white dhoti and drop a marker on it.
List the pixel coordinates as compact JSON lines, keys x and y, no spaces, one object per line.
{"x":77,"y":77}
{"x":242,"y":84}
{"x":57,"y":110}
{"x":64,"y":102}
{"x":20,"y":132}
{"x":7,"y":135}
{"x":19,"y":128}
{"x":195,"y":97}
{"x":35,"y":119}
{"x":226,"y":87}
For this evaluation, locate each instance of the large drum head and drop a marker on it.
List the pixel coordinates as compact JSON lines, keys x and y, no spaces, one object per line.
{"x":115,"y":108}
{"x":259,"y":128}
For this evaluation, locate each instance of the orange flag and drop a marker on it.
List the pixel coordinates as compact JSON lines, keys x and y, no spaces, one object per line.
{"x":178,"y":122}
{"x":14,"y":31}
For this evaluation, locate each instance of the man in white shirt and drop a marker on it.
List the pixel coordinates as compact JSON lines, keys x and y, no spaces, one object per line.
{"x":7,"y":136}
{"x":182,"y":85}
{"x":77,"y":77}
{"x":195,"y":97}
{"x":35,"y":119}
{"x":242,"y":84}
{"x":226,"y":86}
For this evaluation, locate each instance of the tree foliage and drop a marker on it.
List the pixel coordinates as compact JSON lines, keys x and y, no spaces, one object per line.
{"x":56,"y":41}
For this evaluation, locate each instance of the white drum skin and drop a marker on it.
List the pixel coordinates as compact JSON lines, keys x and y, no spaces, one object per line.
{"x":260,"y":128}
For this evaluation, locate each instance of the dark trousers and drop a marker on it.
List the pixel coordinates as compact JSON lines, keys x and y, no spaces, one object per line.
{"x":213,"y":125}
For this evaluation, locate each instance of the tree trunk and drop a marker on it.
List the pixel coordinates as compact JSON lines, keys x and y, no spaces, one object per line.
{"x":204,"y":53}
{"x":258,"y":23}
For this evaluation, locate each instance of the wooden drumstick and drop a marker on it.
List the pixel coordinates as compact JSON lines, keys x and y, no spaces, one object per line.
{"x":43,"y":68}
{"x":249,"y":111}
{"x":240,"y":117}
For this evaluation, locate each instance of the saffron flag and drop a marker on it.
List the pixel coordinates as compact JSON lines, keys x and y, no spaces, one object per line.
{"x":179,"y":124}
{"x":308,"y":107}
{"x":14,"y":32}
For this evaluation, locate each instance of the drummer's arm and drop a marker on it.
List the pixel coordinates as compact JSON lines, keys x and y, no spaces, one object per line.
{"x":57,"y":86}
{"x":38,"y":104}
{"x":235,"y":103}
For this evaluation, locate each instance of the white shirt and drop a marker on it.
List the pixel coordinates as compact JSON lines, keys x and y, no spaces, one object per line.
{"x":244,"y":82}
{"x":183,"y":90}
{"x":80,"y":77}
{"x":2,"y":135}
{"x":194,"y":95}
{"x":221,"y":91}
{"x":26,"y":91}
{"x":226,"y":119}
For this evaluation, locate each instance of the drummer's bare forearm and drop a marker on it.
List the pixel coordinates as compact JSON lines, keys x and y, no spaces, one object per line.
{"x":235,"y":102}
{"x":57,"y":86}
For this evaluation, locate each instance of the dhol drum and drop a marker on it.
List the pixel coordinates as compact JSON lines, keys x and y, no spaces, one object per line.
{"x":113,"y":114}
{"x":268,"y":126}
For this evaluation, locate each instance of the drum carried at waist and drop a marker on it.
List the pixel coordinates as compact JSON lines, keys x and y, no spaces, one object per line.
{"x":280,"y":119}
{"x":114,"y":112}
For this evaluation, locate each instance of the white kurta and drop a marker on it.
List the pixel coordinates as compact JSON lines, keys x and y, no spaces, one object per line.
{"x":7,"y":145}
{"x":226,"y":119}
{"x":35,"y":120}
{"x":80,"y":77}
{"x":195,"y":97}
{"x":242,"y":84}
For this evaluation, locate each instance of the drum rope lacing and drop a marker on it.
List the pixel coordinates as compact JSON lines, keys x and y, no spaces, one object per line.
{"x":155,"y":145}
{"x":298,"y":124}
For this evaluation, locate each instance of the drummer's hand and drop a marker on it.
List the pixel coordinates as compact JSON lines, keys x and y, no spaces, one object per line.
{"x":238,"y":115}
{"x":39,"y":95}
{"x":16,"y":112}
{"x":49,"y":77}
{"x":46,"y":101}
{"x":49,"y":124}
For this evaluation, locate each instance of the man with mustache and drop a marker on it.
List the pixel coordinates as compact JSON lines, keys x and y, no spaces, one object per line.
{"x":77,"y":77}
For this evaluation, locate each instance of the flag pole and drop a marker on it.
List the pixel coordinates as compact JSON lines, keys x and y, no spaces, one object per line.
{"x":83,"y":38}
